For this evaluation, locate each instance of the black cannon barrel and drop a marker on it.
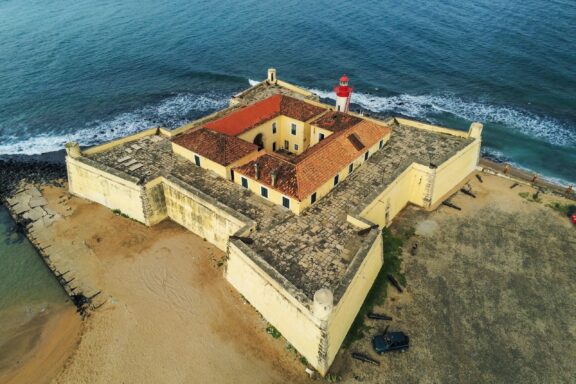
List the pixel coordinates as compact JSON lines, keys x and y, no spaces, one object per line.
{"x":395,"y":283}
{"x":364,"y":358}
{"x":467,"y":192}
{"x":449,"y":204}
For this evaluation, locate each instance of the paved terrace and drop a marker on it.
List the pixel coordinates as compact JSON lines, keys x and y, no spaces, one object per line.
{"x":312,"y":250}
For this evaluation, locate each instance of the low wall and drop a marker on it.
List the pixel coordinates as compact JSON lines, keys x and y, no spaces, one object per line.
{"x":112,"y":188}
{"x":114,"y":143}
{"x":355,"y":286}
{"x":455,"y":170}
{"x":289,"y":311}
{"x":154,"y":201}
{"x":420,"y":185}
{"x":268,"y":292}
{"x":200,"y":213}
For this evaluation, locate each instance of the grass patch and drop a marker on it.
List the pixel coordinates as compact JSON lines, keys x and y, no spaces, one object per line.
{"x":377,"y":295}
{"x":118,"y":212}
{"x":565,"y":209}
{"x":272,"y":331}
{"x":534,"y":197}
{"x":332,"y":378}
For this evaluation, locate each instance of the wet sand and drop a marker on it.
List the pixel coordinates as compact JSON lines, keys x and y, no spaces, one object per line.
{"x":36,"y":351}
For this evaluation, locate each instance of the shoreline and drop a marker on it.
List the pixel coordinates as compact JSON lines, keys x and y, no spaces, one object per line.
{"x":38,"y":349}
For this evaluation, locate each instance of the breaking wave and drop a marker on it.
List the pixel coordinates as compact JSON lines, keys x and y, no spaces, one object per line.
{"x":170,"y":113}
{"x":548,"y":129}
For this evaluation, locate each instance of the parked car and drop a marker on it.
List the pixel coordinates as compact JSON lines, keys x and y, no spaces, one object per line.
{"x":390,"y":341}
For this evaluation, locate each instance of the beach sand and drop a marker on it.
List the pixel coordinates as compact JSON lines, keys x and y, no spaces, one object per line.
{"x":170,"y":316}
{"x":36,"y":350}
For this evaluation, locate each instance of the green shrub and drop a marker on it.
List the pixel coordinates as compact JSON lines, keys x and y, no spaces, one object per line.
{"x":272,"y":331}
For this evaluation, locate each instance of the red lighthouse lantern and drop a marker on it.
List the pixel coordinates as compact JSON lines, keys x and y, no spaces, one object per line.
{"x":343,"y":94}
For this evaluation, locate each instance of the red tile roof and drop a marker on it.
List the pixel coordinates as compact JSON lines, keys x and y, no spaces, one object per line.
{"x":255,"y":114}
{"x":215,"y":146}
{"x":303,"y":175}
{"x":336,"y":121}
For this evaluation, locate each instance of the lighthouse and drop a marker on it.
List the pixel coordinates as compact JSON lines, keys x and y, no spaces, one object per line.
{"x":343,"y":95}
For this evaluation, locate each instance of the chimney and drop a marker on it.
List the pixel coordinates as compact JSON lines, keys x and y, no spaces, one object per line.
{"x":256,"y":170}
{"x":274,"y":176}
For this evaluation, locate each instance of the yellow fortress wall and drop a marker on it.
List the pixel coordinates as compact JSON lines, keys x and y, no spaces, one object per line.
{"x":200,"y":213}
{"x":96,"y":183}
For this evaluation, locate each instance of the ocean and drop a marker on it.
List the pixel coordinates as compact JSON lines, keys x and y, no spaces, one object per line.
{"x":92,"y":71}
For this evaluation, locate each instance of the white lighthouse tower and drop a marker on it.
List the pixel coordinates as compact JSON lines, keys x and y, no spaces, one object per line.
{"x":343,"y":94}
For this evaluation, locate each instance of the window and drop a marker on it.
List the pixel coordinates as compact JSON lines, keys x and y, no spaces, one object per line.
{"x":285,"y":202}
{"x":264,"y":192}
{"x":197,"y":160}
{"x":350,"y":167}
{"x":313,"y":198}
{"x":273,"y":146}
{"x":295,"y":147}
{"x":321,"y":137}
{"x":336,"y":179}
{"x":381,"y":143}
{"x":366,"y":155}
{"x":274,"y":127}
{"x":244,"y":182}
{"x":293,"y":129}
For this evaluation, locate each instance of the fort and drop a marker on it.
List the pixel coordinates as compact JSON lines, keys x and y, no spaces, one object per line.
{"x":295,"y":191}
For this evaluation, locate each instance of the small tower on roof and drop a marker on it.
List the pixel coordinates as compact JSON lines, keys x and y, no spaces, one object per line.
{"x":343,"y":94}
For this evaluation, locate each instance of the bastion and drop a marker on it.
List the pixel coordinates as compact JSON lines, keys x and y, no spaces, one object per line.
{"x":295,"y":191}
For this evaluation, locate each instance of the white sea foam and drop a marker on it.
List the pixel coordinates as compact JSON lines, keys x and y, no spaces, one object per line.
{"x":548,"y":129}
{"x":170,"y":113}
{"x":253,"y":82}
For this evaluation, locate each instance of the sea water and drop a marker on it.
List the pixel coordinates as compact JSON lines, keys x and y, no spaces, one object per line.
{"x":27,"y":287}
{"x":95,"y":70}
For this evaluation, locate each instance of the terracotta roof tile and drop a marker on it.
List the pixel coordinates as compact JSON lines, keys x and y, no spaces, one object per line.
{"x":303,"y":175}
{"x":255,"y":114}
{"x":215,"y":146}
{"x":298,"y":109}
{"x":336,"y":121}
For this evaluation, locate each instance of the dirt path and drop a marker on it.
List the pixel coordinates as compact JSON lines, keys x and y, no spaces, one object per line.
{"x":491,"y":294}
{"x":169,"y":317}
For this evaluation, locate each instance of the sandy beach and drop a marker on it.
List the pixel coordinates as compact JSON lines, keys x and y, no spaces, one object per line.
{"x":36,"y":351}
{"x":169,"y":316}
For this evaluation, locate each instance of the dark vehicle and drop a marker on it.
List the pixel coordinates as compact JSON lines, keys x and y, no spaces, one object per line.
{"x":390,"y":341}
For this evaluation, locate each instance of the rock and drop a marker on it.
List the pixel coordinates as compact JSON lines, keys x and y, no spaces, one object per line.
{"x":20,"y":208}
{"x":34,"y":214}
{"x":37,"y":201}
{"x":33,"y":191}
